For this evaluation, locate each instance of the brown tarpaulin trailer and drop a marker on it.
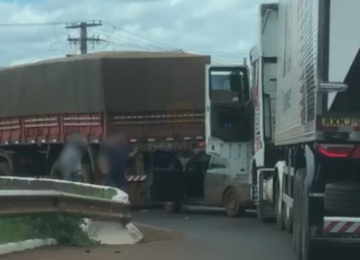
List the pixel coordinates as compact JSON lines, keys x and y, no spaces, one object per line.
{"x":115,"y":82}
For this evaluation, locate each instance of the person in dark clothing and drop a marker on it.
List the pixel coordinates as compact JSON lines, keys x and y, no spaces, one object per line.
{"x":115,"y":153}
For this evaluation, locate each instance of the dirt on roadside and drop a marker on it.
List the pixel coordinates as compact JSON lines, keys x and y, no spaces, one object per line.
{"x":154,"y":234}
{"x":164,"y":250}
{"x":151,"y":235}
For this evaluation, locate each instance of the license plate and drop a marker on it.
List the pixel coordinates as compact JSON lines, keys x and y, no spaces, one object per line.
{"x":341,"y":121}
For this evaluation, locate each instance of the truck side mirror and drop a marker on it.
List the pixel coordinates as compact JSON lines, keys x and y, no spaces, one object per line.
{"x":235,"y":82}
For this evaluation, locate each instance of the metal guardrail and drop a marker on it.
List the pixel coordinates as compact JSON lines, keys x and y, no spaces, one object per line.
{"x":34,"y":202}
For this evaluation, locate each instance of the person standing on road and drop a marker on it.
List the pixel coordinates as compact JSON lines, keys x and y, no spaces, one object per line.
{"x":114,"y":156}
{"x":69,"y":161}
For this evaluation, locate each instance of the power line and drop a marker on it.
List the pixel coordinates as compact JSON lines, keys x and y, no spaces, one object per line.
{"x":132,"y":39}
{"x":153,"y":44}
{"x":115,"y":40}
{"x":125,"y":44}
{"x":124,"y":40}
{"x":29,"y":24}
{"x":140,"y":36}
{"x":83,"y":39}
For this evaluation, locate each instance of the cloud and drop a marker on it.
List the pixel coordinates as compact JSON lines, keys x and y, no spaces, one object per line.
{"x":225,"y":29}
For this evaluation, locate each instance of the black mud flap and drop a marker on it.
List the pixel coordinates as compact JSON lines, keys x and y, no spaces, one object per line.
{"x":167,"y":185}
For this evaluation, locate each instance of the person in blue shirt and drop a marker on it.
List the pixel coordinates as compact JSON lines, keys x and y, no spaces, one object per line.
{"x":115,"y":153}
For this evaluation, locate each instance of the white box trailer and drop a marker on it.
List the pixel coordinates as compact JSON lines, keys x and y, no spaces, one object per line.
{"x":306,"y":175}
{"x":318,"y":43}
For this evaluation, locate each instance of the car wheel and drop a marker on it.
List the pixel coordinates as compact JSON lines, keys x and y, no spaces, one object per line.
{"x":232,"y":203}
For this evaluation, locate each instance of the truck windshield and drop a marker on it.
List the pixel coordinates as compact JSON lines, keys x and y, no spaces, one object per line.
{"x":229,"y":85}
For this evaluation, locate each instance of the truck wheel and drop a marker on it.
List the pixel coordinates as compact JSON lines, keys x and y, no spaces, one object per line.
{"x":296,"y":229}
{"x":288,"y":221}
{"x":342,"y":199}
{"x":297,"y":234}
{"x":260,"y":215}
{"x":279,"y":212}
{"x":302,"y":244}
{"x":172,"y":207}
{"x":233,"y":207}
{"x":4,"y":169}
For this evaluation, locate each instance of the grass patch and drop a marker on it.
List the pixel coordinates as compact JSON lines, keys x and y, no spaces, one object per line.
{"x":13,"y":230}
{"x":66,"y":230}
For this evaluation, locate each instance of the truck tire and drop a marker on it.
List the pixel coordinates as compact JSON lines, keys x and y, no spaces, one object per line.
{"x":297,"y":236}
{"x":288,"y":221}
{"x":172,"y":207}
{"x":4,"y":169}
{"x":279,"y":212}
{"x":232,"y":204}
{"x":342,"y":199}
{"x":305,"y":249}
{"x":298,"y":223}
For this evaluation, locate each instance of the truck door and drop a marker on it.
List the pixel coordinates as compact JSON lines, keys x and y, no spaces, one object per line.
{"x":195,"y":170}
{"x":229,"y":112}
{"x":167,"y":180}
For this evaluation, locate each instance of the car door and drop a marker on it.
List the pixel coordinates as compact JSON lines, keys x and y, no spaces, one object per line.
{"x":216,"y":178}
{"x":167,"y":179}
{"x":195,"y":170}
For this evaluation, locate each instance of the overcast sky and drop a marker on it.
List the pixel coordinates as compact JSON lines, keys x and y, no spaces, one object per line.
{"x":226,"y":29}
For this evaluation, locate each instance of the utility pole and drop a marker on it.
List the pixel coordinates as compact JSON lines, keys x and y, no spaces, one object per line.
{"x":83,"y":39}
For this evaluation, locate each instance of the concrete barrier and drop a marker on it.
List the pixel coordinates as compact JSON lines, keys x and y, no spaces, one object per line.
{"x":117,"y":232}
{"x":25,"y":245}
{"x":114,"y":233}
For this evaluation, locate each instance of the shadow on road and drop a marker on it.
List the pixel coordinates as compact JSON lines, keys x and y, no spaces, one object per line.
{"x":197,"y":210}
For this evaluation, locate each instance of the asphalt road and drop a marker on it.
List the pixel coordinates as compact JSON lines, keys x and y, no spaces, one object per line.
{"x":233,"y":238}
{"x":228,"y":238}
{"x":207,"y":235}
